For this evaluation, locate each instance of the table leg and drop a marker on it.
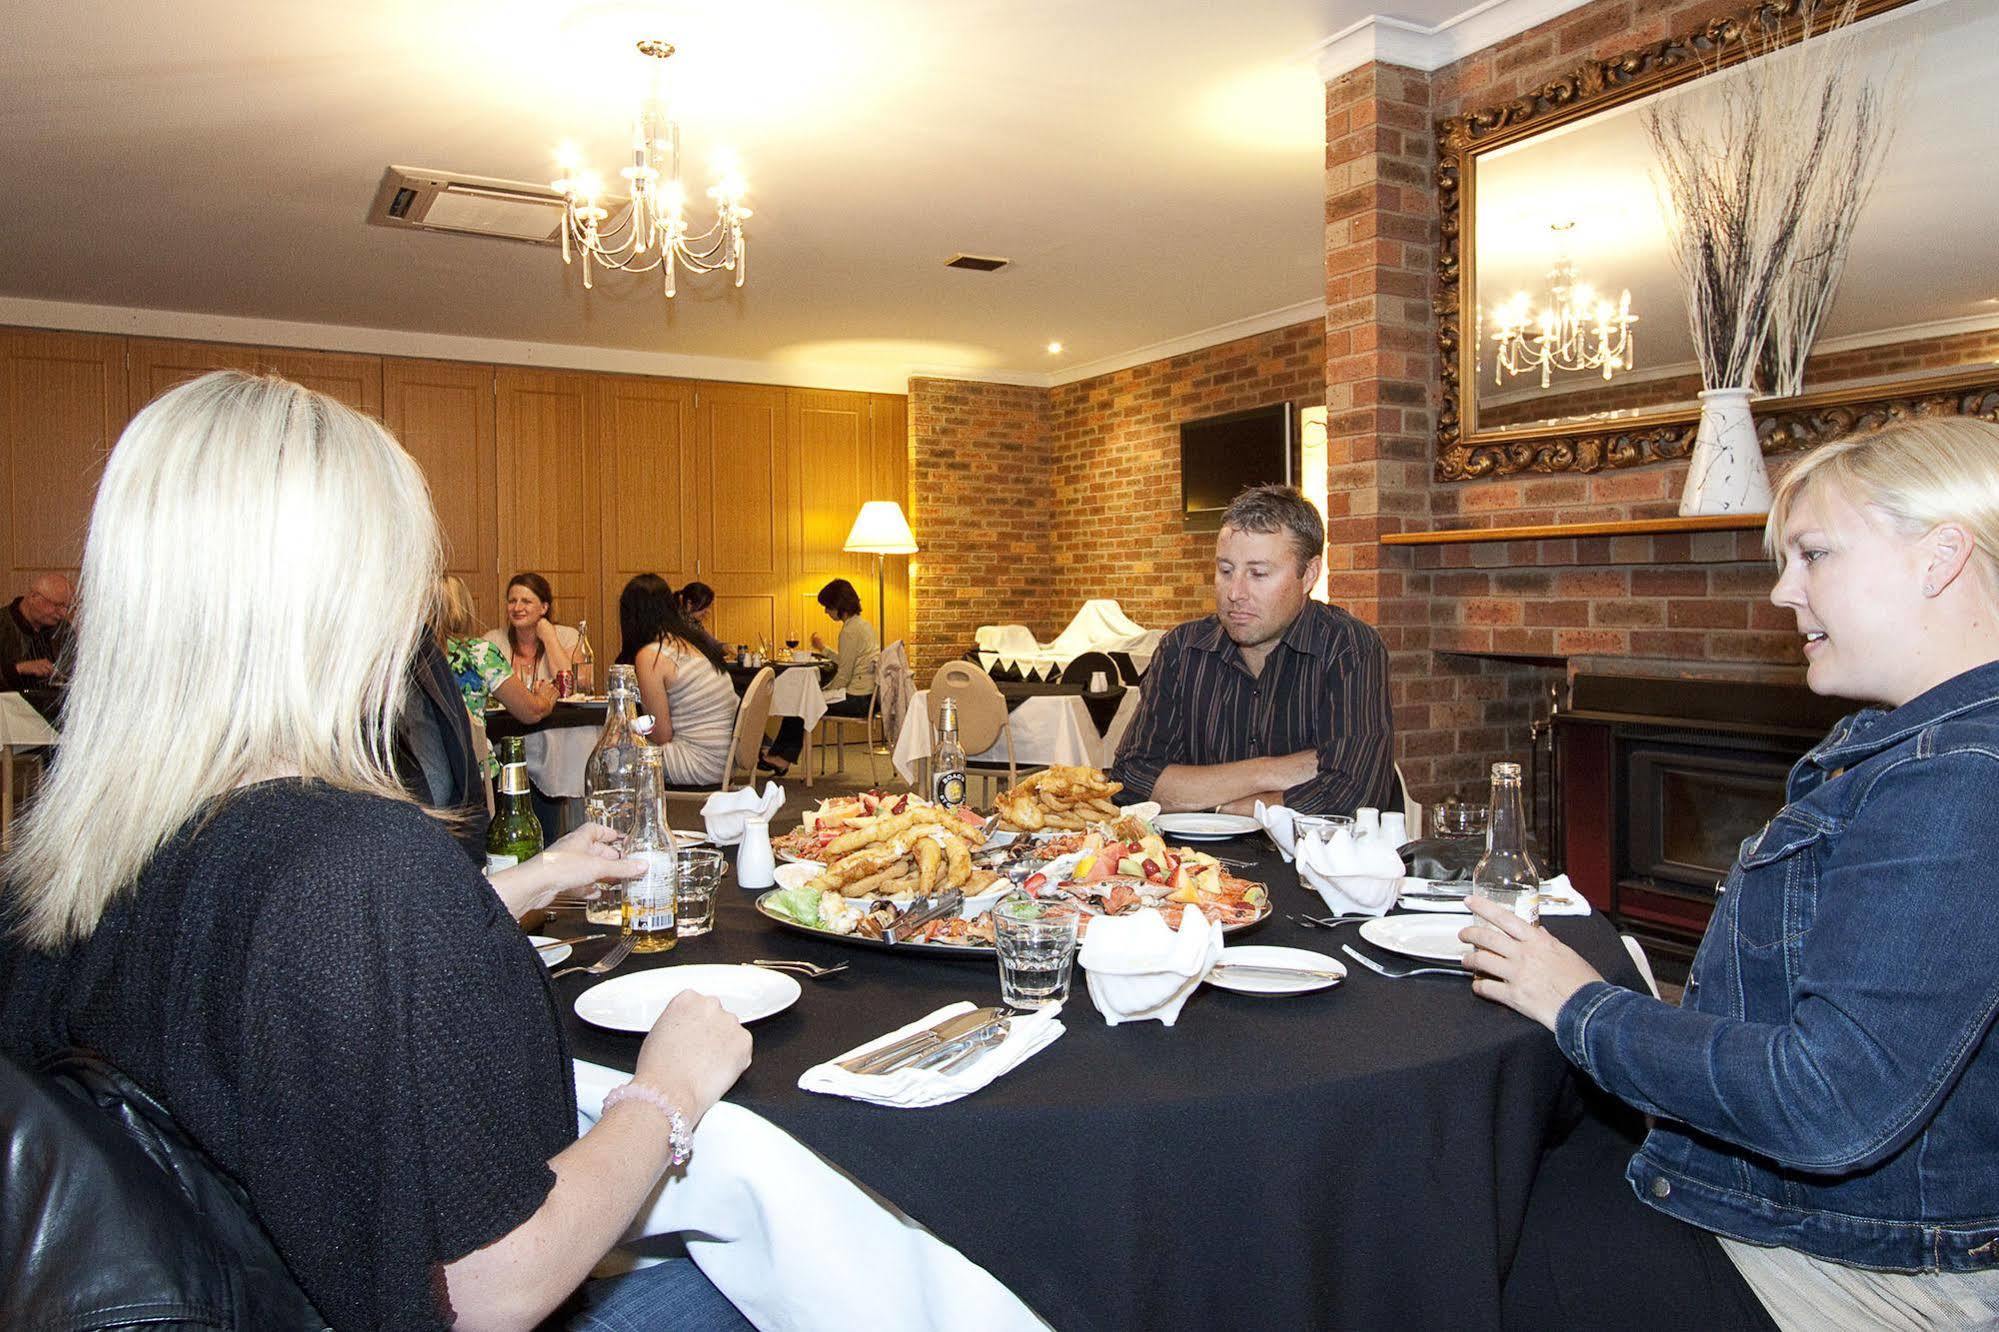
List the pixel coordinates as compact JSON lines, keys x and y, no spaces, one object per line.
{"x":805,"y":755}
{"x":6,"y":796}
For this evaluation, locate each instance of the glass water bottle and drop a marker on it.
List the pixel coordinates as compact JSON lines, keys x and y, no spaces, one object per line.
{"x":1505,"y":874}
{"x":586,"y":660}
{"x":610,"y":780}
{"x":650,"y":901}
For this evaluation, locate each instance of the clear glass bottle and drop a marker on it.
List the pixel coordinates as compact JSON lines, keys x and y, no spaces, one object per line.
{"x":610,"y":780}
{"x":515,"y":833}
{"x":1505,"y":874}
{"x":586,"y":660}
{"x":948,"y":766}
{"x":650,"y":901}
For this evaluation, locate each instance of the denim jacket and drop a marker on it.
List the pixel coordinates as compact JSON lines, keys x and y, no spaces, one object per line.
{"x":1827,"y":1083}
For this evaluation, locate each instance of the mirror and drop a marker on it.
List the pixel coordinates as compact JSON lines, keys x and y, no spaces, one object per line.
{"x":1559,"y":182}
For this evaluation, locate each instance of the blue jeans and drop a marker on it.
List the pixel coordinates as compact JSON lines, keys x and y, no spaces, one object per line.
{"x":670,"y":1296}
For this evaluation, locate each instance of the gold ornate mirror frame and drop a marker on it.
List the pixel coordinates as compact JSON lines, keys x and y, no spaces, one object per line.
{"x":1785,"y":424}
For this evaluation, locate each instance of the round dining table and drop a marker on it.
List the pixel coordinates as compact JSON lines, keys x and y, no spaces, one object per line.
{"x":1355,"y":1157}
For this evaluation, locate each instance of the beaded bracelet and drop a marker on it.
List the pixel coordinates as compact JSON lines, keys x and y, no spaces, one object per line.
{"x":677,"y":1136}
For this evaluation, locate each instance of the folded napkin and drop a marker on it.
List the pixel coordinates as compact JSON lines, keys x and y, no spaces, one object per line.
{"x":914,"y":1088}
{"x":726,"y":812}
{"x":1280,"y":822}
{"x":1558,"y":898}
{"x":1351,"y":874}
{"x":1139,"y":968}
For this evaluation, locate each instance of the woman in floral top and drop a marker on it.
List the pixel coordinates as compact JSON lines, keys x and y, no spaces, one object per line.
{"x":484,"y":674}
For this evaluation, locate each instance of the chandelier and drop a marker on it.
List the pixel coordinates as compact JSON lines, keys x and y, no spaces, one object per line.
{"x":653,"y":232}
{"x":1574,"y":331}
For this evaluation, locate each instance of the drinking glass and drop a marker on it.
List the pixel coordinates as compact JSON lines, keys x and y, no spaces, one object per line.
{"x":618,"y":811}
{"x":700,"y":874}
{"x":1099,"y":682}
{"x":1319,"y":827}
{"x":1036,"y":943}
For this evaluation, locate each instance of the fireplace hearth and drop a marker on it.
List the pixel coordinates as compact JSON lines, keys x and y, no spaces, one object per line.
{"x":1658,"y":780}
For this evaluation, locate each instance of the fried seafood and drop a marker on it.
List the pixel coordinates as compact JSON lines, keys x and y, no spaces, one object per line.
{"x":1062,"y":797}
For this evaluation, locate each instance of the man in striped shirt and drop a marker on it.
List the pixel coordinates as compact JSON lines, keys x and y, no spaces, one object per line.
{"x":1274,"y":697}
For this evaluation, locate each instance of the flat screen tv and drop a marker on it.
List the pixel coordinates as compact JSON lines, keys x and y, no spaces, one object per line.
{"x":1221,"y":456}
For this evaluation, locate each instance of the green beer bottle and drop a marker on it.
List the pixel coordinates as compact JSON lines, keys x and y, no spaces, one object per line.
{"x":515,"y":834}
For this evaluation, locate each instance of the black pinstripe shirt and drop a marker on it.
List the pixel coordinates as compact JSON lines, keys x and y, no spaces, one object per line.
{"x":1324,"y":686}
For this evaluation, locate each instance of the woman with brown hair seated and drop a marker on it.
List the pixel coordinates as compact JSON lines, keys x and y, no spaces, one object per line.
{"x":853,"y":682}
{"x":537,"y":647}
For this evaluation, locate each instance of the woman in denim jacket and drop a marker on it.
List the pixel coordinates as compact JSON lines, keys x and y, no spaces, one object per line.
{"x":1826,"y":1098}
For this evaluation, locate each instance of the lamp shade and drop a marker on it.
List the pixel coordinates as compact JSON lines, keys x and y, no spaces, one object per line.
{"x":880,"y":529}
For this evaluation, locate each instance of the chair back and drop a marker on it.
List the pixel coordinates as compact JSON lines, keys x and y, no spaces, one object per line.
{"x":981,"y":706}
{"x":1081,"y":668}
{"x":749,"y":733}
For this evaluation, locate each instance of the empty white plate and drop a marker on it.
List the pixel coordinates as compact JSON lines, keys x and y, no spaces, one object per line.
{"x":1270,"y":955}
{"x":550,"y":956}
{"x":634,"y":1001}
{"x":1206,"y":827}
{"x":1432,"y":938}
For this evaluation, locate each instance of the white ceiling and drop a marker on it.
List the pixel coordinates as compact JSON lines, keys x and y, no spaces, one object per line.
{"x":1152,"y":167}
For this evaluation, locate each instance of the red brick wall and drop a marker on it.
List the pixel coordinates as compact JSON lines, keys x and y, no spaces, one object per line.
{"x":1477,"y":632}
{"x":979,"y":468}
{"x":1118,"y":530}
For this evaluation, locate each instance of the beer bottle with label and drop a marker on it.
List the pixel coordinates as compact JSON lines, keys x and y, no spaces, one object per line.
{"x":948,"y":786}
{"x":650,"y":901}
{"x":515,"y":833}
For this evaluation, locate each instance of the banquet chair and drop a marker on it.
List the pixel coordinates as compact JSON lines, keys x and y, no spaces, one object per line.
{"x":1080,"y":669}
{"x":1412,"y":809}
{"x":745,"y":740}
{"x":837,"y":726}
{"x":982,"y":718}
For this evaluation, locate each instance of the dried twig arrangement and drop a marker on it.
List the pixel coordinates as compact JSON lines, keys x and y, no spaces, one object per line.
{"x":1764,"y":169}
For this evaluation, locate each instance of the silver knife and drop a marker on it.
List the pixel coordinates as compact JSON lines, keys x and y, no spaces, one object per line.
{"x":1266,"y":969}
{"x":921,"y":1042}
{"x":949,"y":1055}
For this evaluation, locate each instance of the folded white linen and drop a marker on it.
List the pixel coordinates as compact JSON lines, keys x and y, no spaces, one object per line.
{"x":1279,"y":822}
{"x":915,"y":1088}
{"x":1140,"y":968}
{"x":1350,"y":877}
{"x":755,"y":1206}
{"x":727,"y":812}
{"x":1559,"y":897}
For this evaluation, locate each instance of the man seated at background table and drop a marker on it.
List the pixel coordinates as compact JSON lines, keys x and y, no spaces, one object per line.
{"x":1274,"y":697}
{"x":32,"y":633}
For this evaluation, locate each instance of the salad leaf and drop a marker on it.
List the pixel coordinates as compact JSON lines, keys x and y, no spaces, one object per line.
{"x":800,"y":904}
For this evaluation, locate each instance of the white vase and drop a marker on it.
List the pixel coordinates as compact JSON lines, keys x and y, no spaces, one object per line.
{"x":1727,"y":475}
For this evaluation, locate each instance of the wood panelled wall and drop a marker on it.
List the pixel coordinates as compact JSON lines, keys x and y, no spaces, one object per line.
{"x":586,"y":478}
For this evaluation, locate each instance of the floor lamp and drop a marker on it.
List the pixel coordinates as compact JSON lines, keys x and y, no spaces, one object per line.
{"x":880,"y":529}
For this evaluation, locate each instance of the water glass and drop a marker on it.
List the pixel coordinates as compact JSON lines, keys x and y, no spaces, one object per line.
{"x":1318,"y":827}
{"x":700,"y":875}
{"x":617,"y":810}
{"x":1036,"y":943}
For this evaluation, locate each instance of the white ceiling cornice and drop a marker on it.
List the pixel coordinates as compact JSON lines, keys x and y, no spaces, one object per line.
{"x":1392,"y":41}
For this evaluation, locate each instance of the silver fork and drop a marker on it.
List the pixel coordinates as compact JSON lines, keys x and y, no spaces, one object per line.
{"x":809,"y":970}
{"x":604,"y":963}
{"x":1398,"y":973}
{"x":1326,"y":922}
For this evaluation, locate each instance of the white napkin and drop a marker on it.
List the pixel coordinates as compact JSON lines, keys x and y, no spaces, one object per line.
{"x":914,"y":1088}
{"x":1278,"y":821}
{"x":1351,"y":876}
{"x":726,"y":812}
{"x":1145,"y":811}
{"x":1558,"y":898}
{"x":1140,"y":968}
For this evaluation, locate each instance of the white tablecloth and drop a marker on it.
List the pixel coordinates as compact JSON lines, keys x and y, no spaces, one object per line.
{"x":20,"y":724}
{"x":556,"y":756}
{"x":797,"y":1245}
{"x":1048,"y":728}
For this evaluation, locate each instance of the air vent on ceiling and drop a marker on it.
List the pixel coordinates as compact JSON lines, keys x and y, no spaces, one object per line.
{"x":470,"y":205}
{"x":978,"y":263}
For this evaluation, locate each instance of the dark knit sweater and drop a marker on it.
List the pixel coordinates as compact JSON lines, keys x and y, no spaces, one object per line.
{"x":336,"y":1005}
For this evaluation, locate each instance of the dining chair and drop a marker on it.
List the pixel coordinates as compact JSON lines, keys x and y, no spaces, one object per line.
{"x":982,"y":717}
{"x":837,"y":726}
{"x":1412,"y":809}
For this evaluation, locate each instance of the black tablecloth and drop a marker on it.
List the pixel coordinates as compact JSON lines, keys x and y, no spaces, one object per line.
{"x":500,"y":725}
{"x":1103,"y":707}
{"x":1356,"y":1157}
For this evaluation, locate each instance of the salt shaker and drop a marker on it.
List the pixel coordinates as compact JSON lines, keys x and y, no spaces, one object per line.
{"x":756,"y":867}
{"x":1366,"y":823}
{"x":1394,"y":827}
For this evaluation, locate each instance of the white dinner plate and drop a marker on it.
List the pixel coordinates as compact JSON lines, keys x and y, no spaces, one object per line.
{"x":1270,"y":955}
{"x":551,"y":957}
{"x":634,"y":1001}
{"x":1432,"y":938}
{"x":1206,"y":827}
